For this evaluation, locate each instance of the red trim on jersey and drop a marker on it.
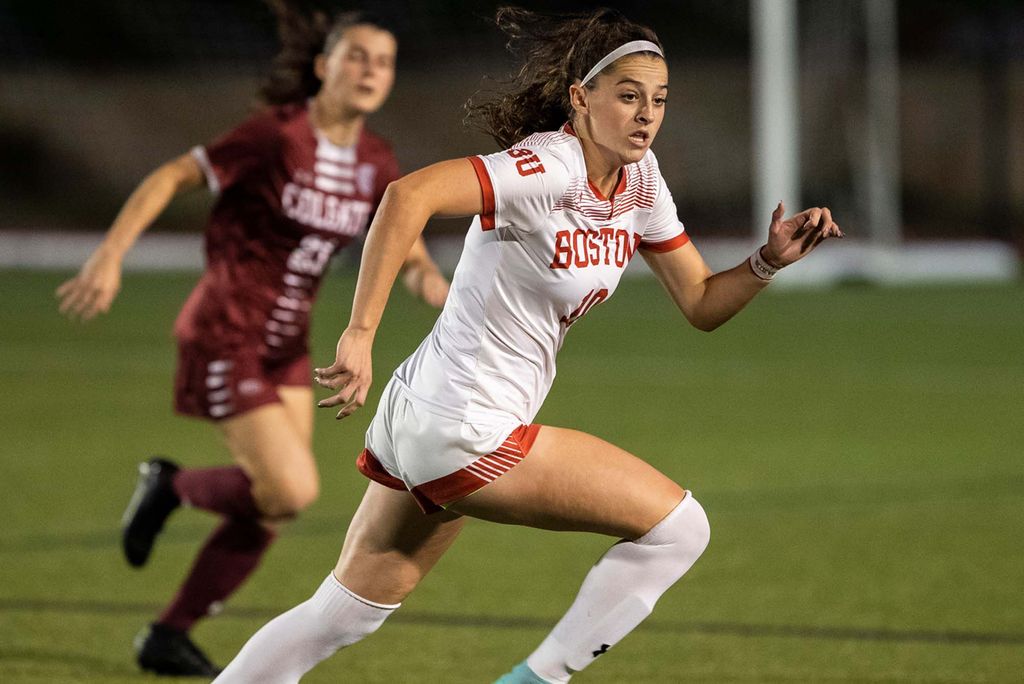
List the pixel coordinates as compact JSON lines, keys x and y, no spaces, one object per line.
{"x":487,"y":215}
{"x":619,"y":188}
{"x":432,"y":496}
{"x":666,"y":245}
{"x":567,"y":128}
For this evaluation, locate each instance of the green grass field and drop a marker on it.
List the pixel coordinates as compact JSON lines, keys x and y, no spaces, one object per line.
{"x":858,"y":452}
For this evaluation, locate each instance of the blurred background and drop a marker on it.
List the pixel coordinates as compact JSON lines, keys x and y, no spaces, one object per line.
{"x":904,"y":116}
{"x":857,"y":447}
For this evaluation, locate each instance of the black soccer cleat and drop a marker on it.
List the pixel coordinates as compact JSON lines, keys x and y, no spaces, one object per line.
{"x":165,"y":651}
{"x":152,"y":502}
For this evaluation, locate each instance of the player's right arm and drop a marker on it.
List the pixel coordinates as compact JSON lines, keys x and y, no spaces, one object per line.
{"x":93,"y":290}
{"x":449,"y":189}
{"x":508,"y":188}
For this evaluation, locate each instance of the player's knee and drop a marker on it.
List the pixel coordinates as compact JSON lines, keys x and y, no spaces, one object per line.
{"x":698,"y":527}
{"x":684,"y":533}
{"x":299,"y":496}
{"x":287,"y":499}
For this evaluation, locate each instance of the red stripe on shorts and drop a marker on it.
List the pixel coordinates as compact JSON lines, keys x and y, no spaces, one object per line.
{"x":369,"y":466}
{"x":432,"y":496}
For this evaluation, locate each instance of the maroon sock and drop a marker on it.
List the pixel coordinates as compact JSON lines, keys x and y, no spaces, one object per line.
{"x":226,"y":490}
{"x":227,"y":558}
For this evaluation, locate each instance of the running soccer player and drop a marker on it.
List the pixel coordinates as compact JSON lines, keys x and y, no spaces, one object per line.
{"x":295,"y":183}
{"x":559,"y":215}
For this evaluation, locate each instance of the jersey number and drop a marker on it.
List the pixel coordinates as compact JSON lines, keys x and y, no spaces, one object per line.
{"x":528,"y":163}
{"x":311,"y":256}
{"x":593,"y":297}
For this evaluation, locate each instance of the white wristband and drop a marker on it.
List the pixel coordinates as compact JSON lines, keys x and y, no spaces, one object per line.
{"x":761,"y":268}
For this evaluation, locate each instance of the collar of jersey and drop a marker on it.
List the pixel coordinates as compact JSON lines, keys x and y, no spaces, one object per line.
{"x":620,"y":188}
{"x":323,"y":139}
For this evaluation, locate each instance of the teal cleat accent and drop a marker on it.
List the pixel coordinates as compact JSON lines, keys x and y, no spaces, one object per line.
{"x":521,"y":674}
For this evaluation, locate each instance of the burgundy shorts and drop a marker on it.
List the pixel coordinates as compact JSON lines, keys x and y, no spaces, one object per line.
{"x":218,"y":384}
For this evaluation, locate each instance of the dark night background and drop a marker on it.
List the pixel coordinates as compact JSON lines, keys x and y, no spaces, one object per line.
{"x":94,"y":95}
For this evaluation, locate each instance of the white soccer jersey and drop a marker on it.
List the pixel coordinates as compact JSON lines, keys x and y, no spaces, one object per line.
{"x":547,"y":248}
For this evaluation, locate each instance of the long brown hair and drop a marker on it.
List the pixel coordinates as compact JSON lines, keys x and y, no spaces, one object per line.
{"x":304,"y":32}
{"x":556,"y":50}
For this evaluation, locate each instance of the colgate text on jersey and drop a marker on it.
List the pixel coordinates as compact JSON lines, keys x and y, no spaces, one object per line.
{"x":324,"y":211}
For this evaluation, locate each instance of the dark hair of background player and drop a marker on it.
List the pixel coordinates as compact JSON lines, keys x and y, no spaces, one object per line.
{"x":556,"y":51}
{"x":304,"y":32}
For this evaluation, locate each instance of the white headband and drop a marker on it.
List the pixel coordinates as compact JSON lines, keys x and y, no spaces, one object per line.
{"x":621,"y":51}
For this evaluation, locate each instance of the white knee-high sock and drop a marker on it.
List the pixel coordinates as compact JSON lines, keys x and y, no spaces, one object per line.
{"x":621,"y":590}
{"x":290,"y":645}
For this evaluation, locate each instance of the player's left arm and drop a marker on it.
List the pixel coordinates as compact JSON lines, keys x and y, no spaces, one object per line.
{"x":710,"y":299}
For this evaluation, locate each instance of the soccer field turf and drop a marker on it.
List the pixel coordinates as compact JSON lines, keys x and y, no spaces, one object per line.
{"x":858,"y":452}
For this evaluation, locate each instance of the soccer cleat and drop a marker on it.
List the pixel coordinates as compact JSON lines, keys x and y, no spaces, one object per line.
{"x":165,"y":651}
{"x":152,"y":501}
{"x":520,"y":674}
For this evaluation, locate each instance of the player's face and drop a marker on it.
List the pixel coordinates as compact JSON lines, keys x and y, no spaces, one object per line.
{"x":358,"y":74}
{"x":627,"y":106}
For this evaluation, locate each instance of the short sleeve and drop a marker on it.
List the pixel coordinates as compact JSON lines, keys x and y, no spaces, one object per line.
{"x":519,"y":186}
{"x":664,"y":231}
{"x":238,"y":152}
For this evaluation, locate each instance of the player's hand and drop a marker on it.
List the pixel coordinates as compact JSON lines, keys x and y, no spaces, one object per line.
{"x":434,"y":288}
{"x":350,"y":375}
{"x":427,"y":283}
{"x":793,"y":239}
{"x":93,"y":290}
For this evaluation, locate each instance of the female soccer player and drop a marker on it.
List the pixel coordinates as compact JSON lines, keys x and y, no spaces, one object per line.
{"x":559,"y":215}
{"x":296,"y":182}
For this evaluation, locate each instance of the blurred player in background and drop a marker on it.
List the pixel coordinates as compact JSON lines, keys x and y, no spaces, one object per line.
{"x":559,"y":215}
{"x":295,"y":183}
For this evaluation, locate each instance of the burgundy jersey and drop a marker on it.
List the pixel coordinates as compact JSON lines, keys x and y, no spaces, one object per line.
{"x":288,"y":199}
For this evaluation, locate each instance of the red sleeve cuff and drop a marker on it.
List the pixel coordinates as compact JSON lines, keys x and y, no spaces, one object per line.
{"x":666,"y":245}
{"x":487,"y":190}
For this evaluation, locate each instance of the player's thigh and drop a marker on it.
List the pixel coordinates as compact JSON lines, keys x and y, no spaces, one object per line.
{"x":275,"y":456}
{"x":391,"y":544}
{"x":298,"y":403}
{"x":574,"y":481}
